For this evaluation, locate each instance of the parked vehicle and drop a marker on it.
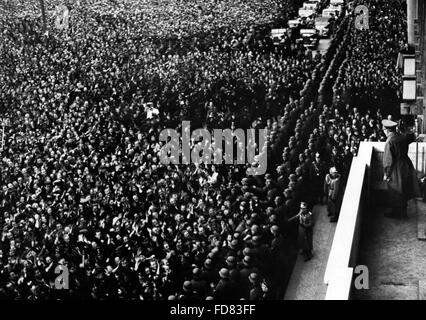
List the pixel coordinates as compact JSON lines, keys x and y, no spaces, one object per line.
{"x":309,"y":38}
{"x":310,"y":5}
{"x":337,"y":2}
{"x":304,"y":13}
{"x":277,"y":35}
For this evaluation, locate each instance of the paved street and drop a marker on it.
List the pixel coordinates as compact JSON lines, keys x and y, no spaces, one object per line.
{"x":306,"y":282}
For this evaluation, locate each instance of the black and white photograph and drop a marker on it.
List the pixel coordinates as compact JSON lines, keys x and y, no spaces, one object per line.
{"x":212,"y":154}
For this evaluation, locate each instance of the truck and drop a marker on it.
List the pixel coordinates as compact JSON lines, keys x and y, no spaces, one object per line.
{"x":329,"y":12}
{"x":309,"y":38}
{"x":276,"y":35}
{"x":310,"y":5}
{"x":304,"y":13}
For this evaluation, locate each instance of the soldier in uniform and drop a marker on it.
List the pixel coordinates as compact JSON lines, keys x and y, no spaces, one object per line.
{"x":399,"y":174}
{"x":333,"y":190}
{"x":306,"y":224}
{"x":317,"y":174}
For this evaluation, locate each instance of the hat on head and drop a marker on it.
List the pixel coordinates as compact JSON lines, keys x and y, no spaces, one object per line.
{"x":215,"y":251}
{"x":273,"y":218}
{"x":389,"y":124}
{"x":255,"y":229}
{"x":246,"y":260}
{"x":224,"y":273}
{"x":256,"y":239}
{"x":230,"y":260}
{"x":253,"y":277}
{"x":333,"y":170}
{"x":208,"y":264}
{"x":196,"y":272}
{"x":246,"y":251}
{"x":233,"y":244}
{"x":187,"y":285}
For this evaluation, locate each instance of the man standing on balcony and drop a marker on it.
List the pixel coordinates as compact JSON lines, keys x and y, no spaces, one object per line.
{"x":399,"y":171}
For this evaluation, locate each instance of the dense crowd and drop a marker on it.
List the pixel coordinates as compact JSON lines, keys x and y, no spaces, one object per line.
{"x":369,"y":79}
{"x":81,"y":181}
{"x":367,"y":88}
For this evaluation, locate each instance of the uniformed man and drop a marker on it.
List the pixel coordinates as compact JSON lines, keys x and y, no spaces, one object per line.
{"x":198,"y":284}
{"x":399,"y":171}
{"x":317,"y":174}
{"x":225,"y":289}
{"x":333,"y":191}
{"x":306,"y":223}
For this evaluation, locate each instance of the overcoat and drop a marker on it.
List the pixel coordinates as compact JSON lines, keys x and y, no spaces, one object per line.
{"x":403,"y":184}
{"x":332,"y":188}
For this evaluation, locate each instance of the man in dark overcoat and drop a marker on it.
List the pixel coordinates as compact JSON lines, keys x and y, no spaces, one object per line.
{"x":399,"y":171}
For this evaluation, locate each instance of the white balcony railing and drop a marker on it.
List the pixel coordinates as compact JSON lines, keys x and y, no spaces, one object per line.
{"x":366,"y":172}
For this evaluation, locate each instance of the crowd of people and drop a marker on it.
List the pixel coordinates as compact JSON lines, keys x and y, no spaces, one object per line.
{"x":82,"y":184}
{"x":370,"y":79}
